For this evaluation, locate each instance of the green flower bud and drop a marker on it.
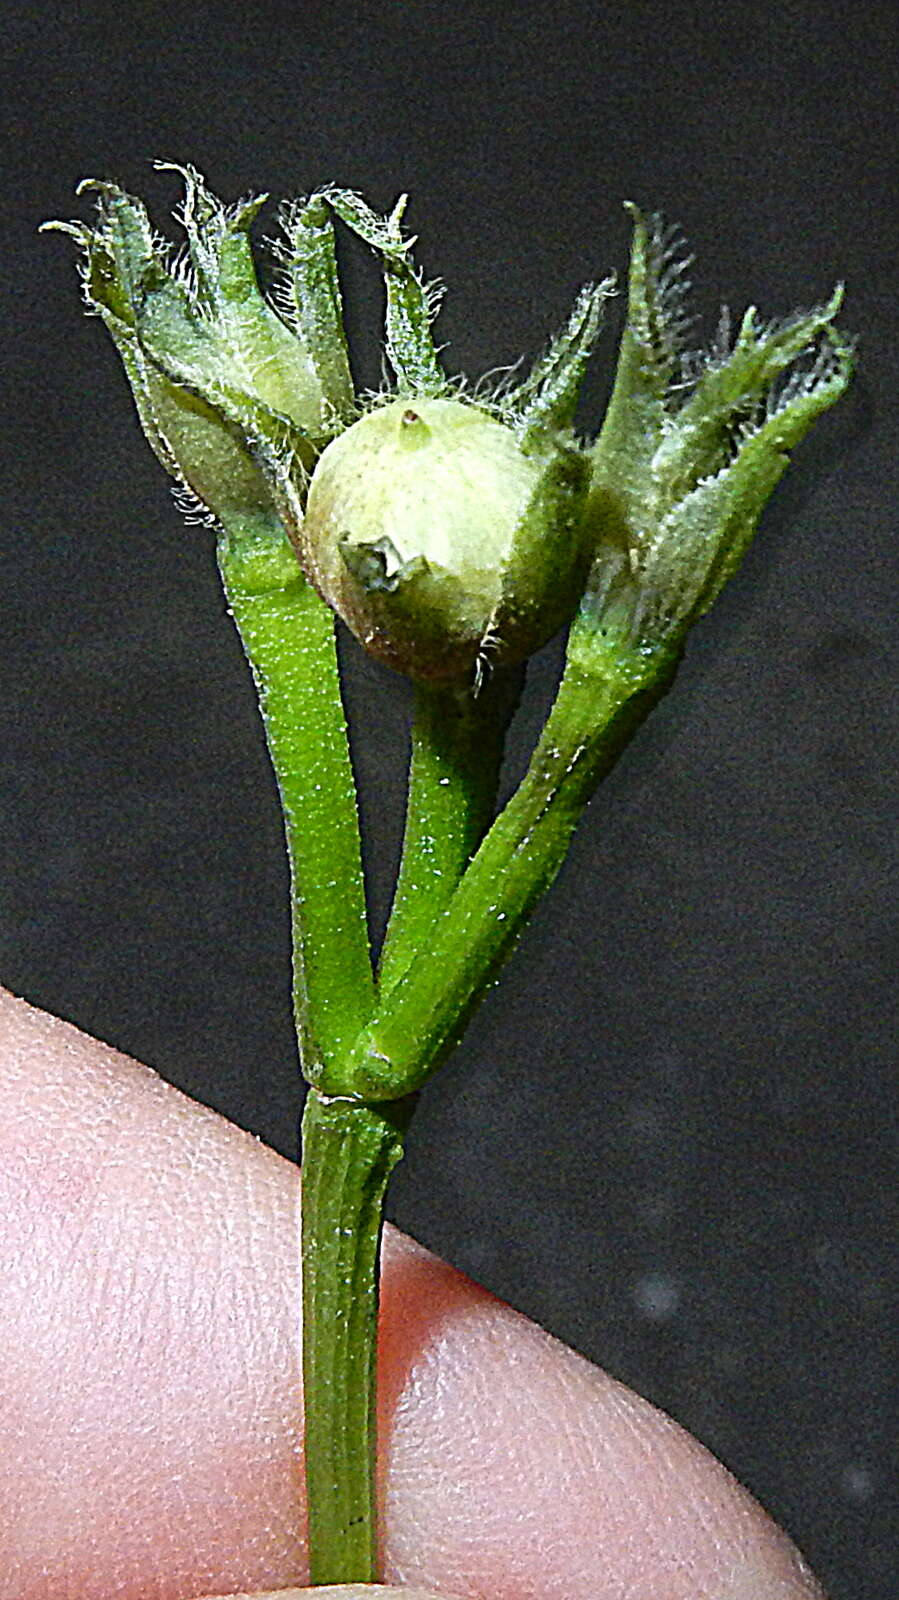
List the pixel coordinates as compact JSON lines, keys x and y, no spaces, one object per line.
{"x":235,"y":397}
{"x":692,"y":447}
{"x":444,"y":538}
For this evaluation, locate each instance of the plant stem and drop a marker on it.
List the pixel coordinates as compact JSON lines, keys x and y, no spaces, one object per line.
{"x":424,"y":1014}
{"x":288,"y":635}
{"x":349,"y":1149}
{"x":349,"y":1152}
{"x":457,"y":749}
{"x":454,"y":918}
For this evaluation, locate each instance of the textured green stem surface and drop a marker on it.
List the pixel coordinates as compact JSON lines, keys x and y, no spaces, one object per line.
{"x":349,"y":1152}
{"x":288,"y":636}
{"x":457,"y":749}
{"x":425,"y":1012}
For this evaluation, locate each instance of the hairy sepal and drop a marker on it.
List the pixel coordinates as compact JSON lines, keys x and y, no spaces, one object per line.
{"x":412,"y":304}
{"x":692,"y":448}
{"x":209,"y":363}
{"x":549,"y":395}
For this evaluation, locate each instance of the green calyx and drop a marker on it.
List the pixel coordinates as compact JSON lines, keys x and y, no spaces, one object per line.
{"x":231,"y":394}
{"x":692,"y":446}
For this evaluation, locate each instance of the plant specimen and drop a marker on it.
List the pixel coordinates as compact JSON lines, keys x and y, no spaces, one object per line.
{"x":454,"y":530}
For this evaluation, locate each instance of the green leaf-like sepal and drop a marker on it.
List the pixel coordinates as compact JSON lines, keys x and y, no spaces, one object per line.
{"x":228,"y":395}
{"x":692,"y":448}
{"x":310,"y":298}
{"x":412,"y":304}
{"x":549,"y":395}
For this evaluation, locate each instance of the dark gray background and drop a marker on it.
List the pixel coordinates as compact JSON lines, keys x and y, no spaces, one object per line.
{"x":670,"y":1135}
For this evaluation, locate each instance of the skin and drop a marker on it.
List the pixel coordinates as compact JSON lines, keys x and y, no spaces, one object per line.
{"x":150,"y":1391}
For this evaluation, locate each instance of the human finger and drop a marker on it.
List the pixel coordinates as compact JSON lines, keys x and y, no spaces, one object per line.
{"x":149,"y":1441}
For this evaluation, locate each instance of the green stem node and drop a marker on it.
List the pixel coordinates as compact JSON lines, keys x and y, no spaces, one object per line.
{"x":423,"y":1015}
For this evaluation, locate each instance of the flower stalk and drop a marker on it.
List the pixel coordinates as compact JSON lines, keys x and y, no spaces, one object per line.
{"x":457,"y":746}
{"x":288,"y":635}
{"x":454,"y":533}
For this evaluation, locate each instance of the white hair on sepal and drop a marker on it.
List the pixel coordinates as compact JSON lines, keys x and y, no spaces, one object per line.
{"x":669,"y":260}
{"x":194,"y":510}
{"x":434,"y":293}
{"x":492,"y":386}
{"x":279,"y":297}
{"x":180,"y":268}
{"x":819,"y":365}
{"x":488,"y":645}
{"x":721,"y":343}
{"x":696,"y":360}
